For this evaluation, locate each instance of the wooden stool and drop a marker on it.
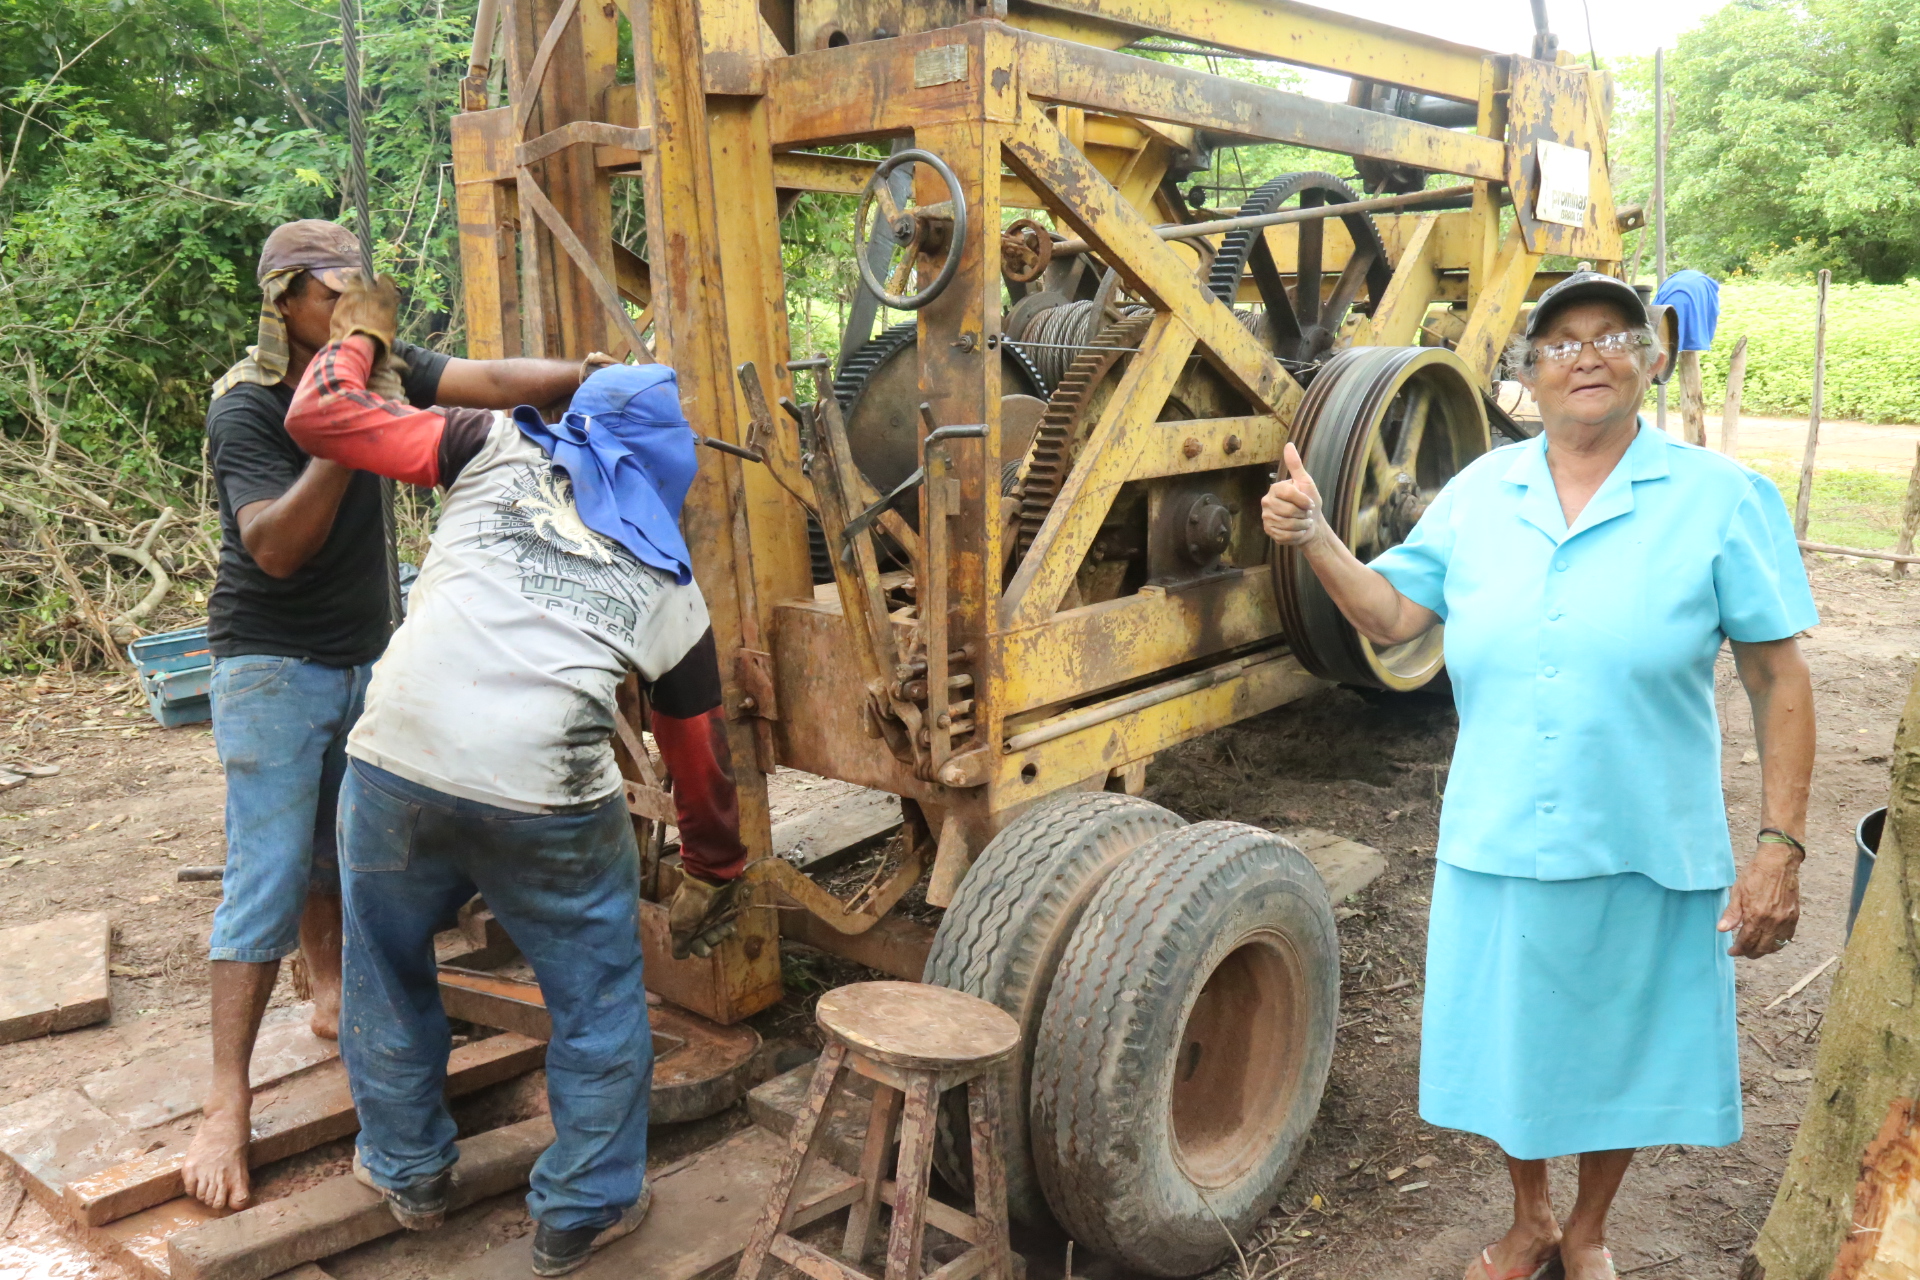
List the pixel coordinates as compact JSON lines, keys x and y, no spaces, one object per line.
{"x":915,"y":1042}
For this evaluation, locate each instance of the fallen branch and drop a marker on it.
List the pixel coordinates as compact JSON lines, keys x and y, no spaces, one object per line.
{"x":141,"y":555}
{"x":1801,"y":985}
{"x":1856,"y":551}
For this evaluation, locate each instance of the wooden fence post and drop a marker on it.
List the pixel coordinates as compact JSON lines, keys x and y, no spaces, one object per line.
{"x":1803,"y":501}
{"x":1693,"y":400}
{"x":1730,"y":412}
{"x":1910,"y":518}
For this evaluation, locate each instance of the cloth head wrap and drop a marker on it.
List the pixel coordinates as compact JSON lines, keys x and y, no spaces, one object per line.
{"x":328,"y":251}
{"x":630,"y":453}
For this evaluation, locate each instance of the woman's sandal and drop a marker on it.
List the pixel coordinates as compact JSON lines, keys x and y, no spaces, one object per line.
{"x":1483,"y":1266}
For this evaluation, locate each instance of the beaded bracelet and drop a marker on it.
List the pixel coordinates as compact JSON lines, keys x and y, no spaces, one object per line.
{"x":1774,"y":835}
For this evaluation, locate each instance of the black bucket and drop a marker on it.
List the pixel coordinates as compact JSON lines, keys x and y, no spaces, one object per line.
{"x":1866,"y":851}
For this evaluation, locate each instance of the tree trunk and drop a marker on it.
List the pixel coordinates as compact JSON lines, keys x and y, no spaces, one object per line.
{"x":1869,"y":1044}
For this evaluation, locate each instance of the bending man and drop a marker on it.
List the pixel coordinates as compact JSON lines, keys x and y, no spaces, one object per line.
{"x":484,"y":761}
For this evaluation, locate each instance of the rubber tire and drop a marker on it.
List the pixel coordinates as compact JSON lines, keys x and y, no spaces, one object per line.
{"x":1103,"y":1074}
{"x":1003,"y":936}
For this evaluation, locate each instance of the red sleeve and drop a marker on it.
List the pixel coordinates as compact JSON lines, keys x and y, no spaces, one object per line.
{"x":335,"y":416}
{"x":696,"y":754}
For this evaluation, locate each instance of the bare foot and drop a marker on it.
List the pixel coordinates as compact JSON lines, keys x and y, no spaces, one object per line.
{"x":216,"y":1170}
{"x":325,"y":1022}
{"x":1518,"y":1253}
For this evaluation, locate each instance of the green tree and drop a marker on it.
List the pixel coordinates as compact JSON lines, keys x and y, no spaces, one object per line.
{"x":1792,"y":140}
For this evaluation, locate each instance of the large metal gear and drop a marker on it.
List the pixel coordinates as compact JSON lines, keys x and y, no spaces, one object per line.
{"x":1164,"y":531}
{"x":1301,"y":327}
{"x":878,"y":387}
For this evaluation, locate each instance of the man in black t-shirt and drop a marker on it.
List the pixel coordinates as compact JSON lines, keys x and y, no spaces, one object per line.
{"x":296,"y":619}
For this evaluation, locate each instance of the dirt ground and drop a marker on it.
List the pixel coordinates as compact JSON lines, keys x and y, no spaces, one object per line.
{"x":1378,"y":1193}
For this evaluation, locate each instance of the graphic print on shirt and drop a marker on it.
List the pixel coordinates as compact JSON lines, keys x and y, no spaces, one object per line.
{"x":566,"y":567}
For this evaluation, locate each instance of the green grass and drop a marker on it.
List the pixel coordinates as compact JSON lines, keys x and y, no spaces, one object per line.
{"x":1873,"y":332}
{"x":1850,"y":508}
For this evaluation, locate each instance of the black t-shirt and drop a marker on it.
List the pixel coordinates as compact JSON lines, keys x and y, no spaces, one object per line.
{"x":333,"y":609}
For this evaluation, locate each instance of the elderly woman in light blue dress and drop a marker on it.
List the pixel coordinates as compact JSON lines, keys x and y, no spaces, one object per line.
{"x":1580,"y":992}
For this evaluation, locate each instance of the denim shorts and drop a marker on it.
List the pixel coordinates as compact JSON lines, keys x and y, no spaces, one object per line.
{"x":280,"y":726}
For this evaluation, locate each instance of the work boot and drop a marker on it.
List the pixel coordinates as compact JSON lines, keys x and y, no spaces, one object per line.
{"x":701,"y":915}
{"x":557,"y":1252}
{"x":421,"y":1206}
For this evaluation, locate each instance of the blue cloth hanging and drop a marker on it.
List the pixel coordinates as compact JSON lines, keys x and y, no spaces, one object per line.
{"x":1695,"y":299}
{"x":630,"y":453}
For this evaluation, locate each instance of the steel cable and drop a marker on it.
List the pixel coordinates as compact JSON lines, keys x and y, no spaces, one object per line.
{"x":357,"y":194}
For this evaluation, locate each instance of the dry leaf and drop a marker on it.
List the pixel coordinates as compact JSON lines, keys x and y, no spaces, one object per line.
{"x":1794,"y":1076}
{"x":1395,"y":1172}
{"x":1426,"y":1162}
{"x":161,"y":837}
{"x":14,"y":861}
{"x":1415,"y":1186}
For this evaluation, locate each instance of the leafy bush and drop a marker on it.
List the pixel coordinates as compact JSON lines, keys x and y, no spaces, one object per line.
{"x":1872,"y":333}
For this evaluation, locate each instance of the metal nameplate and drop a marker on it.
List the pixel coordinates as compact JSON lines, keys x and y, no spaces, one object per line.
{"x":942,"y":64}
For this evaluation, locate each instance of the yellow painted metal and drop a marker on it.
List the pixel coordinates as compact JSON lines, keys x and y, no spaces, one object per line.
{"x":734,"y":107}
{"x":1298,"y":33}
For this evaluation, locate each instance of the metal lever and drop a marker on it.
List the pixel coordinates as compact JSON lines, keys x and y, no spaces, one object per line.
{"x":959,"y":431}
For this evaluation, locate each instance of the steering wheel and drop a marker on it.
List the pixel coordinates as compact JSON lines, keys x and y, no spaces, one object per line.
{"x":908,"y":228}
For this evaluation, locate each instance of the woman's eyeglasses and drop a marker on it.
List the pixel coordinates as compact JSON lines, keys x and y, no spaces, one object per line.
{"x":1610,"y":345}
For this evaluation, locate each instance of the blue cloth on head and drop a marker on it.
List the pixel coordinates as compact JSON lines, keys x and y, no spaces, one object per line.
{"x":631,"y":456}
{"x":1695,"y":299}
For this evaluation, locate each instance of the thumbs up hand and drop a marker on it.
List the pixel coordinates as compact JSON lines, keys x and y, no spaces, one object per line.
{"x":1290,"y":513}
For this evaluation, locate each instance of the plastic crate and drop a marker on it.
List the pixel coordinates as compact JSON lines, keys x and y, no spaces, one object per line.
{"x":176,"y":670}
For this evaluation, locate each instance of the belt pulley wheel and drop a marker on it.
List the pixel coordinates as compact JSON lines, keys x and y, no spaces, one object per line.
{"x":1381,"y":431}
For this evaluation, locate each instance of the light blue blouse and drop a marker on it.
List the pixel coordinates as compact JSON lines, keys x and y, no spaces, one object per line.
{"x":1582,"y":659}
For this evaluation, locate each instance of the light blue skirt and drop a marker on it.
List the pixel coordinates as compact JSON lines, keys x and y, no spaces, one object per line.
{"x":1578,"y":1015}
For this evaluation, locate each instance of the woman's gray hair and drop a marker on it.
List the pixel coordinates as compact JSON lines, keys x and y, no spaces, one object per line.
{"x":1520,"y":357}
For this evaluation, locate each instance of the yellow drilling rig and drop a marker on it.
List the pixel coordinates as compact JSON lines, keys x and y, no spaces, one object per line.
{"x":1014,"y":549}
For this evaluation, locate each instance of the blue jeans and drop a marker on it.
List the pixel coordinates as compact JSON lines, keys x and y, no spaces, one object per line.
{"x":280,"y":726}
{"x":566,"y":886}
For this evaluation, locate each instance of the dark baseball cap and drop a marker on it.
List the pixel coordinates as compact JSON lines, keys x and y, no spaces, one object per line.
{"x":1587,"y":286}
{"x":326,"y":249}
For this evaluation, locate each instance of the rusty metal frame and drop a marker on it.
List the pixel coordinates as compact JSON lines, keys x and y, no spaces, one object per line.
{"x":1034,"y":107}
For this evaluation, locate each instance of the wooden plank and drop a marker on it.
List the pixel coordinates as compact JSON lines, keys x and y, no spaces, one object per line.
{"x":166,"y":1086}
{"x":340,"y":1213}
{"x":1346,"y":865}
{"x":297,"y":1116}
{"x":53,"y":975}
{"x":63,"y":1134}
{"x":777,"y":1106}
{"x":702,"y":1211}
{"x":818,"y":836}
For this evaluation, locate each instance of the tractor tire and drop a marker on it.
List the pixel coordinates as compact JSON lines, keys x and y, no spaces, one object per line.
{"x":1185,"y":1047}
{"x":1002,"y":938}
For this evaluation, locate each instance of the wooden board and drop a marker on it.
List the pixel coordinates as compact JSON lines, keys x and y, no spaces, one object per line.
{"x":816,"y":838}
{"x":1346,"y":865}
{"x":340,"y":1213}
{"x":703,"y":1209}
{"x":53,"y":975}
{"x":295,"y":1116}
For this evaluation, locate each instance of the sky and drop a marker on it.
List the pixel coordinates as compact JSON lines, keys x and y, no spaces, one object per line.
{"x":1506,"y":26}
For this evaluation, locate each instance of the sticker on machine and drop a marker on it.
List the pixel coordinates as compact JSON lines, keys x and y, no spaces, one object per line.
{"x":1565,"y":178}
